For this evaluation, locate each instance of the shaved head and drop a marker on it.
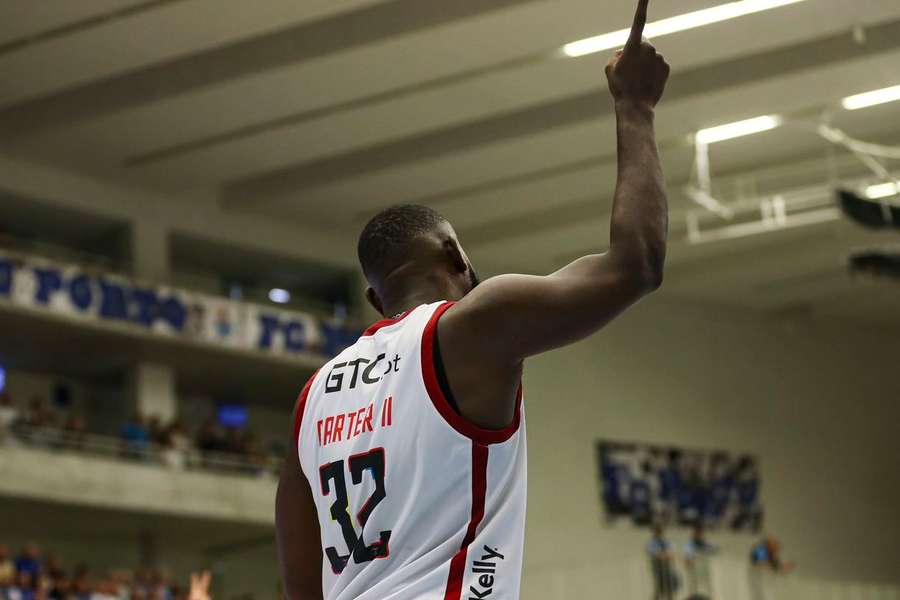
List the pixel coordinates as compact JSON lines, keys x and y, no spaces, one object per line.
{"x":387,"y":238}
{"x":410,"y":254}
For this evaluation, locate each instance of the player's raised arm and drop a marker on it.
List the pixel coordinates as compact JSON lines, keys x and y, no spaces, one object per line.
{"x":511,"y":317}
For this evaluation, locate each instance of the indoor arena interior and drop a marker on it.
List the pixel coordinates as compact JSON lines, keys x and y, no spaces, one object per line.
{"x":244,"y":241}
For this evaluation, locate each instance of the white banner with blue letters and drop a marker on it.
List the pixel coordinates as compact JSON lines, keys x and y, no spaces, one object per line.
{"x":89,"y":294}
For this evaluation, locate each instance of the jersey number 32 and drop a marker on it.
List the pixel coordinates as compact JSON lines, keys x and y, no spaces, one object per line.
{"x":331,"y":475}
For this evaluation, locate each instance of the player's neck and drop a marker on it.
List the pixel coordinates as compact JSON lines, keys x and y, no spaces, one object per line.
{"x":423,"y":291}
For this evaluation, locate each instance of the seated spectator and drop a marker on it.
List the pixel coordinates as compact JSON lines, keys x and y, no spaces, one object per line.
{"x":61,"y":589}
{"x":172,"y":456}
{"x":74,"y":431}
{"x":52,"y":566}
{"x":9,"y":414}
{"x":7,"y":569}
{"x":38,"y":415}
{"x":156,"y":430}
{"x":208,"y":437}
{"x":29,"y":561}
{"x":23,"y":587}
{"x":105,"y":590}
{"x":176,"y":446}
{"x":178,"y":437}
{"x":81,"y":583}
{"x":136,"y":436}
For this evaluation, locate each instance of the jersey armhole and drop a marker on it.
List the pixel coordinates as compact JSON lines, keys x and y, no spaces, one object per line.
{"x":441,"y":402}
{"x":300,"y":407}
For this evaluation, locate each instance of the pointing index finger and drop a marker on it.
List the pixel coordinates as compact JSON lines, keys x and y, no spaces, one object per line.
{"x":637,"y":28}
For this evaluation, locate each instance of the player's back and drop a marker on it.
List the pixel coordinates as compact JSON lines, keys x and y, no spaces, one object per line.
{"x":414,"y":502}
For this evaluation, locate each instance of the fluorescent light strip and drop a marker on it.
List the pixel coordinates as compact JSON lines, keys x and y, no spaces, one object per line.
{"x":691,"y":20}
{"x":874,"y":98}
{"x":736,"y":130}
{"x":882,"y":190}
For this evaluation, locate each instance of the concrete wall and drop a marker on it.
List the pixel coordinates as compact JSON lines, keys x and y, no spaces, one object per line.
{"x":817,"y":402}
{"x":79,"y":479}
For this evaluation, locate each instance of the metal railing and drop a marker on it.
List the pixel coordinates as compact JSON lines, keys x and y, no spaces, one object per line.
{"x":148,"y":453}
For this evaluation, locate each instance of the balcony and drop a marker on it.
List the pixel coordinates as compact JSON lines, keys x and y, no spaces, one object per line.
{"x":105,"y":472}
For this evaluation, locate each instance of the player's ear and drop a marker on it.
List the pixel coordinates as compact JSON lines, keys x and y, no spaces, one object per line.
{"x":455,"y":254}
{"x":374,"y":300}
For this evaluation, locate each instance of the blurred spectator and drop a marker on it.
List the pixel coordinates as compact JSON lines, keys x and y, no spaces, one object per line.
{"x":105,"y":590}
{"x":665,"y":579}
{"x":233,"y":448}
{"x":74,"y":431}
{"x":61,"y":588}
{"x":208,"y":437}
{"x":52,"y":582}
{"x":52,"y":566}
{"x":30,"y":560}
{"x":233,"y":441}
{"x":697,"y":553}
{"x":156,"y":430}
{"x":136,"y":436}
{"x":175,"y":446}
{"x":38,"y":415}
{"x":767,"y":554}
{"x":765,"y":557}
{"x":178,"y":437}
{"x":23,"y":587}
{"x":8,"y":415}
{"x":7,"y":569}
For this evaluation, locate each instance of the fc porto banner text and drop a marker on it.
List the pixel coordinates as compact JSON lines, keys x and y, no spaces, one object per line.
{"x":87,"y":294}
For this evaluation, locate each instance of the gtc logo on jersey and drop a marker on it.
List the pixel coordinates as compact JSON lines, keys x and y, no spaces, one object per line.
{"x":371,"y":372}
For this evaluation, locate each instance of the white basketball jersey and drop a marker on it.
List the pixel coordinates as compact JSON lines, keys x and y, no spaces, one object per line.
{"x":414,"y":502}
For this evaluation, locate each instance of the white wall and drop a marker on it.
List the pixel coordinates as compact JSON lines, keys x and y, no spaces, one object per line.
{"x":816,"y":402}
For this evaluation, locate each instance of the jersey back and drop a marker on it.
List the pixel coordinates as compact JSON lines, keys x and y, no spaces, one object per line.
{"x":414,"y":502}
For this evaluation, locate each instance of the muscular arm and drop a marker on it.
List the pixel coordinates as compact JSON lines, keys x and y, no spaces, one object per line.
{"x":485,"y":337}
{"x":297,"y":529}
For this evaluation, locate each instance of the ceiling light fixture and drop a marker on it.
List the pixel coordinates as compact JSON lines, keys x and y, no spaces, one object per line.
{"x":691,"y":20}
{"x":882,"y":190}
{"x":279,"y":296}
{"x":738,"y":129}
{"x":874,"y":98}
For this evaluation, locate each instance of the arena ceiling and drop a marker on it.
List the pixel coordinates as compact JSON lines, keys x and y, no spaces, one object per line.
{"x":323,"y":111}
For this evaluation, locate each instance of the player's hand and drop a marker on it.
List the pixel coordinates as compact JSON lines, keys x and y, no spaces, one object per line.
{"x":637,"y":74}
{"x":200,"y":586}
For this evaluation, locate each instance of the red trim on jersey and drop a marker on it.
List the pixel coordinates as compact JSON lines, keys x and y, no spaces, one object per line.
{"x":479,"y":491}
{"x":301,"y":406}
{"x":457,"y":421}
{"x":384,"y":323}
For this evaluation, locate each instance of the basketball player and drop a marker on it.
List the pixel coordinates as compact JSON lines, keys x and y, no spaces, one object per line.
{"x":406,"y":478}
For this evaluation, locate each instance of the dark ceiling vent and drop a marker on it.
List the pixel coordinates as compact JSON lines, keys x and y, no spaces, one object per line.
{"x":870,"y":213}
